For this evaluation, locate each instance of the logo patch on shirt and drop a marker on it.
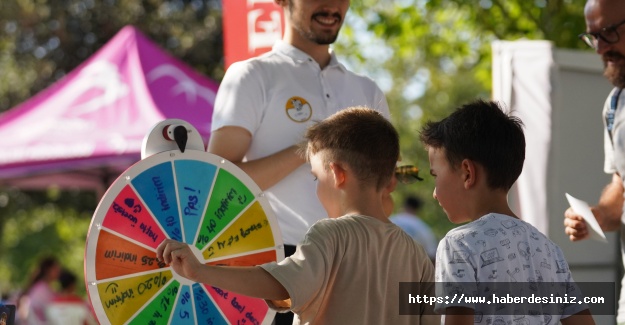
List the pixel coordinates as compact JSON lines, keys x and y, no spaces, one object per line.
{"x":298,"y":109}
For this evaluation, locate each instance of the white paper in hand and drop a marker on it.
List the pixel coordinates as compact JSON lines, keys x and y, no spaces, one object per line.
{"x":583,"y":209}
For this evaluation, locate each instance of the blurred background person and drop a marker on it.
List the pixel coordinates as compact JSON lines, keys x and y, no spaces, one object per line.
{"x":409,"y":221}
{"x":38,"y":293}
{"x":68,"y":308}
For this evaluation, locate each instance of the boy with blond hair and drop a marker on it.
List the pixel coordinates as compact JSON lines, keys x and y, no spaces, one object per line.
{"x":476,"y":154}
{"x":348,"y":268}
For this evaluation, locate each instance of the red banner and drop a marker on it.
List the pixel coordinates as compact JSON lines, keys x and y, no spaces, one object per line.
{"x":251,"y":27}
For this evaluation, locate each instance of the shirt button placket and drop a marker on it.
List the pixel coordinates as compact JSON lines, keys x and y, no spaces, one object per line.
{"x":325,"y":88}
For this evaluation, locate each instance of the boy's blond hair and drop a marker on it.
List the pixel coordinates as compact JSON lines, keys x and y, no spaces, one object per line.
{"x":362,"y":139}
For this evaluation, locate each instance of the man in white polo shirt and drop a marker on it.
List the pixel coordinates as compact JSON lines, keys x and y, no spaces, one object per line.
{"x":265,"y":104}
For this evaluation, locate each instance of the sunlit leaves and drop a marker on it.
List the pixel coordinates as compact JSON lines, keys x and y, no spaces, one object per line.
{"x":430,"y":56}
{"x":43,"y":40}
{"x":441,"y":58}
{"x":35,"y":224}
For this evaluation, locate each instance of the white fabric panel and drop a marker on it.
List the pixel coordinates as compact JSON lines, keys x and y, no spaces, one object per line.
{"x":521,"y":82}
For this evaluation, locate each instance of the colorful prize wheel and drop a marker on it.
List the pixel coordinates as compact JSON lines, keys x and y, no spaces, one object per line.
{"x":194,"y":197}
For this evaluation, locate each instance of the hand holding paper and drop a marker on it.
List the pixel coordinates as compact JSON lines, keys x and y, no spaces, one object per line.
{"x":583,"y":209}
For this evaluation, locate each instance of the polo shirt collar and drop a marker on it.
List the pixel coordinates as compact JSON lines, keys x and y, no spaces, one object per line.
{"x":300,"y":56}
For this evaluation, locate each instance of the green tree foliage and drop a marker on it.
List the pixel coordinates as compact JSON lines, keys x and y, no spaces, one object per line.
{"x":40,"y":42}
{"x":43,"y":40}
{"x":433,"y":56}
{"x":41,"y":223}
{"x":429,"y":56}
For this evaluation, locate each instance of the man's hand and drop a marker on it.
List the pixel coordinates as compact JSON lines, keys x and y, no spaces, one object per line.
{"x":233,"y":142}
{"x":575,"y":226}
{"x":180,"y":257}
{"x":607,"y":212}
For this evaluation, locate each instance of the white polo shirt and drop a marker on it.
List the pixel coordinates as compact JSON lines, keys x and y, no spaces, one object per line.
{"x":276,"y":97}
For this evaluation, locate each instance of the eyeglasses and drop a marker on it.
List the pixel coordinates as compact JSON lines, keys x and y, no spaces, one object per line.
{"x":607,"y":34}
{"x":407,"y":174}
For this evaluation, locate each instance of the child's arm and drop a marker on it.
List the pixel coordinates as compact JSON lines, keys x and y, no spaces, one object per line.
{"x":582,"y":318}
{"x":459,"y":316}
{"x":251,"y":281}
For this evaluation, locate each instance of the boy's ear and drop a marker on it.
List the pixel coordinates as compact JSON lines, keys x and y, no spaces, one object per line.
{"x":338,"y":173}
{"x":392,"y":184}
{"x":468,"y":170}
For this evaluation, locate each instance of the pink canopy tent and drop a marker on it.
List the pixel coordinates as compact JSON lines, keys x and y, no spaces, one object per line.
{"x":87,"y":128}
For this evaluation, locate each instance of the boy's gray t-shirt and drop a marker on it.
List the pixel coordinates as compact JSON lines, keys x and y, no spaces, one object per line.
{"x":502,"y":255}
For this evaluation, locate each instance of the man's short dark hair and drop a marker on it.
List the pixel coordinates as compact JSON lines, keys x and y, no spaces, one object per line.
{"x":482,"y":132}
{"x":413,"y":202}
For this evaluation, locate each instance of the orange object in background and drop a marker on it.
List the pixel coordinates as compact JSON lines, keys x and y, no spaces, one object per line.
{"x":251,"y":27}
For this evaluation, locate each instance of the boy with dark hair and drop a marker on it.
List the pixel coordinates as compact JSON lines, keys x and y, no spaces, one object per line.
{"x":476,"y":154}
{"x":348,"y":268}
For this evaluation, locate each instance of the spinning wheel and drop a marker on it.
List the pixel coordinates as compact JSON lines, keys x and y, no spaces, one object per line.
{"x":190,"y":196}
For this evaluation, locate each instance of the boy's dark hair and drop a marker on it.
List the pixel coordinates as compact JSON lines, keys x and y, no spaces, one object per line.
{"x":413,"y":202}
{"x":361,"y":138}
{"x":482,"y":132}
{"x":66,"y":279}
